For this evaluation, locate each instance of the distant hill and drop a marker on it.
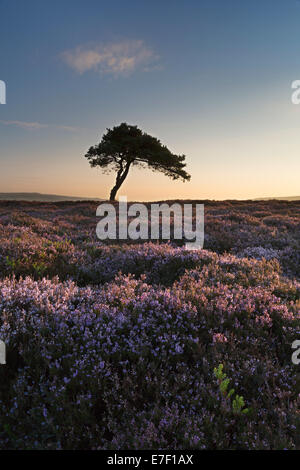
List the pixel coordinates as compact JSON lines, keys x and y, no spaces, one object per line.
{"x":291,"y":198}
{"x":42,"y":197}
{"x":56,"y":198}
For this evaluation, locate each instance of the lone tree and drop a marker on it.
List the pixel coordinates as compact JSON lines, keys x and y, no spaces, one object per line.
{"x":125,"y":146}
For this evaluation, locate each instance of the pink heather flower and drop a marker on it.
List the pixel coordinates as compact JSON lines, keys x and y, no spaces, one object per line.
{"x":219,"y":338}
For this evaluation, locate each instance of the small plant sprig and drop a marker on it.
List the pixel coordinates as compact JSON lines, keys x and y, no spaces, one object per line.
{"x":238,"y":402}
{"x":238,"y":405}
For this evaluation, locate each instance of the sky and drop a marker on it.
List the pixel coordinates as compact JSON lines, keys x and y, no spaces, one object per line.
{"x":211,"y":79}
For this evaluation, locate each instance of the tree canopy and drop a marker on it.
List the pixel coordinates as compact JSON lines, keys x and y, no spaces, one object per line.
{"x":125,"y":146}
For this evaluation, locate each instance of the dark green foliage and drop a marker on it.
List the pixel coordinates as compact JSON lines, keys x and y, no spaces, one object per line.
{"x":125,"y":146}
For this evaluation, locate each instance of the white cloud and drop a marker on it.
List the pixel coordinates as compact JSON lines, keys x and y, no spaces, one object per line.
{"x":67,"y":128}
{"x":120,"y":58}
{"x":24,"y":124}
{"x":36,"y":125}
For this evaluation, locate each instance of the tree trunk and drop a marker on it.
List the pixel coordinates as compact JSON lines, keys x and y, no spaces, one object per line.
{"x":121,"y":175}
{"x":113,"y":193}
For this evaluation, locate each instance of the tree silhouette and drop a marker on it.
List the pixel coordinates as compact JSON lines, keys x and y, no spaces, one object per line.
{"x":125,"y":146}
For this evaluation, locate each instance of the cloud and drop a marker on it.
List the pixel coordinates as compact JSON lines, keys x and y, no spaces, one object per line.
{"x":24,"y":124}
{"x":37,"y":125}
{"x":120,"y":58}
{"x":67,"y":128}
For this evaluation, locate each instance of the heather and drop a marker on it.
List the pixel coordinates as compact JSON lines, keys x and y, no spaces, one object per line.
{"x":113,"y":345}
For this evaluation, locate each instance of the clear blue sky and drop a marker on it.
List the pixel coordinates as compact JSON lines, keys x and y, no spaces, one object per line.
{"x":211,"y":79}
